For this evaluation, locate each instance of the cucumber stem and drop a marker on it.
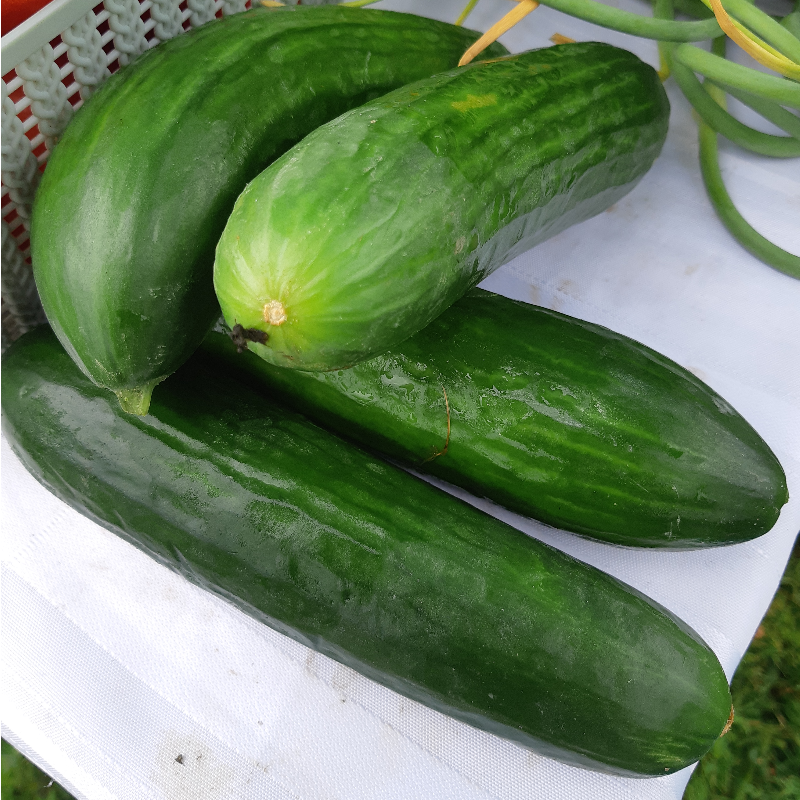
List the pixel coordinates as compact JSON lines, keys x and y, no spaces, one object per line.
{"x":137,"y":400}
{"x":275,"y":313}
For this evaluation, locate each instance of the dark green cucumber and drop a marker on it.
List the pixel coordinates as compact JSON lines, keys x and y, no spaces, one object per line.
{"x":375,"y":223}
{"x":136,"y":194}
{"x":554,"y":418}
{"x":371,"y":566}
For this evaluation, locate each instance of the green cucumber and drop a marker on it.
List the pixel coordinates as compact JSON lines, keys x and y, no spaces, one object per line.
{"x":554,"y":418}
{"x":370,"y":565}
{"x":136,"y":194}
{"x":375,"y":223}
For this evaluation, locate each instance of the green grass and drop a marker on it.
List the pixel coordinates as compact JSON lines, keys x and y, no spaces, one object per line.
{"x":21,"y":780}
{"x":758,"y":759}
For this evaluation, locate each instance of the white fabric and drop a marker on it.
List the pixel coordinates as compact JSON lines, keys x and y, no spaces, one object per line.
{"x":114,"y":666}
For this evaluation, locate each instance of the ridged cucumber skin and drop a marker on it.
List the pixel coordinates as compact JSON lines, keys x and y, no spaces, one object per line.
{"x":375,"y":223}
{"x":554,"y":418}
{"x":371,"y":566}
{"x":136,"y":194}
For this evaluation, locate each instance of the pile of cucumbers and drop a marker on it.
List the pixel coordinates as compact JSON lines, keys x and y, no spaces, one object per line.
{"x":331,"y":182}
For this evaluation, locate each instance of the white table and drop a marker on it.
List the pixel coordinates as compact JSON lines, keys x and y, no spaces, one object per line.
{"x":114,"y":666}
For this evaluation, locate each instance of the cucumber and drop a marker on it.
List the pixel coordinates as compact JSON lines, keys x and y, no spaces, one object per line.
{"x":136,"y":194}
{"x":370,"y":565}
{"x":554,"y":418}
{"x":370,"y":227}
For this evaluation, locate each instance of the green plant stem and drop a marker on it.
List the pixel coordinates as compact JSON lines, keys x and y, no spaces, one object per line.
{"x":466,"y":12}
{"x":714,"y":115}
{"x":770,"y":110}
{"x":358,"y":3}
{"x":691,"y":8}
{"x":628,"y":22}
{"x":665,"y":9}
{"x":769,"y":29}
{"x":721,"y":71}
{"x":792,"y":22}
{"x":738,"y":226}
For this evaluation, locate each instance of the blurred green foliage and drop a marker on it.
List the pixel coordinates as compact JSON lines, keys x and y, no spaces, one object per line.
{"x":22,"y":780}
{"x":759,"y":758}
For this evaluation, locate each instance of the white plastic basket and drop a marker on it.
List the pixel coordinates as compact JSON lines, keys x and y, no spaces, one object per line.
{"x":51,"y":64}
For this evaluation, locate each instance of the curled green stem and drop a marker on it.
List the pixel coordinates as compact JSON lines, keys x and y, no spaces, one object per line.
{"x":714,"y":115}
{"x":770,"y":110}
{"x":627,"y":22}
{"x":744,"y":233}
{"x":693,"y":8}
{"x":769,"y":29}
{"x":724,"y":72}
{"x":738,"y":226}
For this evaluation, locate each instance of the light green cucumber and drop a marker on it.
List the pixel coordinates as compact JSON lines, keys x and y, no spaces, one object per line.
{"x":375,"y":223}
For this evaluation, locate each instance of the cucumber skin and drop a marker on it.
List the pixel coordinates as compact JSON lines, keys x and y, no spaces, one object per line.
{"x":376,"y":222}
{"x":136,"y":194}
{"x":371,"y":566}
{"x":554,"y":418}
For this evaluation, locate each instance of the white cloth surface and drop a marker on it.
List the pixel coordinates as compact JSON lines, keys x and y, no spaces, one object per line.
{"x":113,"y":666}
